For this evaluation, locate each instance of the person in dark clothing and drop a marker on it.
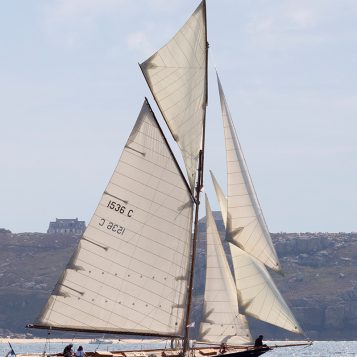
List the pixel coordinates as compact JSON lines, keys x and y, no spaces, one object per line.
{"x":67,"y":352}
{"x":259,"y":342}
{"x":80,"y":352}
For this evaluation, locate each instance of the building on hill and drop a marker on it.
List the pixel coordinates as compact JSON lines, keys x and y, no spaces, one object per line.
{"x":67,"y":226}
{"x":4,"y":231}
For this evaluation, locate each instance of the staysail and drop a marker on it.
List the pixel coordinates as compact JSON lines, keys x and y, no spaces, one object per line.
{"x":222,"y":200}
{"x":177,"y":77}
{"x":258,"y":295}
{"x":221,"y":320}
{"x":129,"y":272}
{"x":246,"y":227}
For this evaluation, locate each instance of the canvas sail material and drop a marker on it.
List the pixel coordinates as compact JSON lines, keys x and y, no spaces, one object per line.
{"x":246,"y":227}
{"x":221,"y":320}
{"x":257,"y":294}
{"x":222,"y":200}
{"x":177,"y":77}
{"x":129,"y":272}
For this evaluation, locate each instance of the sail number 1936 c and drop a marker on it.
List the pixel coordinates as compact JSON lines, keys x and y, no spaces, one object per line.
{"x":119,"y":208}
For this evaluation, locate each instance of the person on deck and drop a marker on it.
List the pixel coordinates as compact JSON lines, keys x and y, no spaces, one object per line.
{"x":259,"y":342}
{"x":67,"y":352}
{"x":80,"y":352}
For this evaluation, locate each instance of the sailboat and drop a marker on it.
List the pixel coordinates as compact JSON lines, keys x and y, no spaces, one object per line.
{"x":133,"y":270}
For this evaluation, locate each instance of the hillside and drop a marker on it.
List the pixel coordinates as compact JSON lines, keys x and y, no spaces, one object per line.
{"x":319,"y":284}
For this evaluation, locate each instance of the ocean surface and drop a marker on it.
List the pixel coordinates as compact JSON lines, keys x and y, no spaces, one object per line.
{"x":318,"y":349}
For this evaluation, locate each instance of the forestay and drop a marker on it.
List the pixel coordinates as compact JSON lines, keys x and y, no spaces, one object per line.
{"x":246,"y":227}
{"x":258,"y":296}
{"x":176,"y":75}
{"x":129,"y":272}
{"x":221,"y":321}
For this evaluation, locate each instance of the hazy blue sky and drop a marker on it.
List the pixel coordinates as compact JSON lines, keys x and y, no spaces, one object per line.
{"x":71,"y":89}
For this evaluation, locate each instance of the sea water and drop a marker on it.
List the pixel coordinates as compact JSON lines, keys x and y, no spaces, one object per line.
{"x":318,"y":349}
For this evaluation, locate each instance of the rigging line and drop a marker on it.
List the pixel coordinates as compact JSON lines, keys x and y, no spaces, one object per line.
{"x":47,"y":342}
{"x":211,"y":59}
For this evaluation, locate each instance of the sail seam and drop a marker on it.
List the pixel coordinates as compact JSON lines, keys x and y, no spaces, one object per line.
{"x":136,"y":246}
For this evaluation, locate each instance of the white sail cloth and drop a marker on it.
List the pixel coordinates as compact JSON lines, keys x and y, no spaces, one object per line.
{"x":246,"y":227}
{"x":176,"y":75}
{"x":258,"y":295}
{"x":221,"y":320}
{"x":222,"y":200}
{"x":129,"y":273}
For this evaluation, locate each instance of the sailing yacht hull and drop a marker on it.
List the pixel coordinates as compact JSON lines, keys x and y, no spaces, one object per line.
{"x":249,"y":353}
{"x":159,"y":353}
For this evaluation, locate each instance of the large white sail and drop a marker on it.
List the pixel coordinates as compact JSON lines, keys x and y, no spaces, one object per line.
{"x":246,"y":227}
{"x":176,"y":75}
{"x":221,"y":320}
{"x":129,"y":273}
{"x":258,"y":295}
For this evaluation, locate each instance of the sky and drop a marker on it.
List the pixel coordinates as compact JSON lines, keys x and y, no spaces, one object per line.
{"x":71,"y":90}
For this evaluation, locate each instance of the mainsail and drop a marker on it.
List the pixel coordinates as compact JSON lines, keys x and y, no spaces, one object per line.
{"x":221,"y":320}
{"x":246,"y":227}
{"x":129,"y":272}
{"x":176,"y":75}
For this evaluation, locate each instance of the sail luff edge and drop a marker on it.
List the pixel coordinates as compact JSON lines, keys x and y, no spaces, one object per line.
{"x":170,"y":150}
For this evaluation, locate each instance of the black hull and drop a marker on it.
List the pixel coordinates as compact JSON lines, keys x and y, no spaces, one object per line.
{"x":249,"y":353}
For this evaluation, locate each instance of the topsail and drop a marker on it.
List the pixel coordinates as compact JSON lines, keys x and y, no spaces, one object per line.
{"x":176,"y":75}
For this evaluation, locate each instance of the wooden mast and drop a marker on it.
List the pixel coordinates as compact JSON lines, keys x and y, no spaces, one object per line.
{"x":198,"y":188}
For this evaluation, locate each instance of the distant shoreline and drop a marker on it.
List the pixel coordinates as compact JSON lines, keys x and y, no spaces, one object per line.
{"x":75,"y":341}
{"x":39,"y":340}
